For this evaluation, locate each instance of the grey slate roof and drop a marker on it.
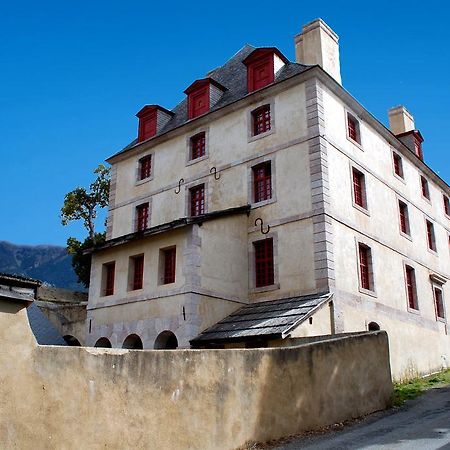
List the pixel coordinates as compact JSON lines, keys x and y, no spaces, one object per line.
{"x":273,"y":319}
{"x":44,"y":332}
{"x":233,"y":76}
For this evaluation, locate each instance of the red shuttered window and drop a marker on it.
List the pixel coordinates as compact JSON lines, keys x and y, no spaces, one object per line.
{"x":430,"y":236}
{"x":198,"y":146}
{"x":142,"y":217}
{"x":418,"y":147}
{"x":359,"y":188}
{"x":398,"y":165}
{"x":264,"y":269}
{"x":364,"y":266}
{"x":261,"y":120}
{"x":198,"y":102}
{"x":439,"y":303}
{"x":404,"y":218}
{"x":262,"y":182}
{"x":197,"y":200}
{"x":424,"y":187}
{"x":446,"y":205}
{"x":138,"y":272}
{"x":145,"y":167}
{"x":169,"y":265}
{"x":109,"y":271}
{"x":147,"y":126}
{"x":260,"y":73}
{"x":353,"y":128}
{"x":411,"y":287}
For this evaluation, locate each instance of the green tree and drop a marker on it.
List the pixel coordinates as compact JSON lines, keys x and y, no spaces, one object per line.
{"x":82,"y":204}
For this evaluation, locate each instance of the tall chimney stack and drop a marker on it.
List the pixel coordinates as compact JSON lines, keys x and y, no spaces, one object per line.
{"x":319,"y":44}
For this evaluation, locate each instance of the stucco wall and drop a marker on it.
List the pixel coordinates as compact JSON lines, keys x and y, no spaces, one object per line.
{"x":77,"y":397}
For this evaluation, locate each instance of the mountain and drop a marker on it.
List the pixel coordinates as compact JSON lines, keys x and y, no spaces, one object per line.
{"x":44,"y":262}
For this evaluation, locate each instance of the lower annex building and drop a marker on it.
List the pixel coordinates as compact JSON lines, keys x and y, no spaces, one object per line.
{"x":269,"y":204}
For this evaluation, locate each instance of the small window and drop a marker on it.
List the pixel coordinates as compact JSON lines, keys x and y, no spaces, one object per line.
{"x":359,"y":188}
{"x":145,"y":167}
{"x":411,"y":290}
{"x":197,"y":200}
{"x":418,"y":147}
{"x":197,"y":146}
{"x":424,"y":187}
{"x":147,"y":126}
{"x":137,"y":268}
{"x":108,"y":277}
{"x":198,"y":102}
{"x":353,"y":128}
{"x":261,"y":120}
{"x":264,"y":268}
{"x":168,"y":265}
{"x":262,"y":182}
{"x":446,"y":205}
{"x":430,"y":236}
{"x":365,"y":267}
{"x":404,"y":217}
{"x":439,"y":303}
{"x":142,"y":213}
{"x":398,"y":164}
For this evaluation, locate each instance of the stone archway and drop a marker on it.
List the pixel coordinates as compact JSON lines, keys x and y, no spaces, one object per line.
{"x":103,"y":342}
{"x":373,"y":326}
{"x":166,"y":340}
{"x":72,"y":341}
{"x":133,"y":342}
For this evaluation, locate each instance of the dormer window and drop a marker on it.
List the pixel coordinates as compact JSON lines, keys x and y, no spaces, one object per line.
{"x":262,"y":66}
{"x":152,"y":119}
{"x":202,"y":96}
{"x":418,"y":146}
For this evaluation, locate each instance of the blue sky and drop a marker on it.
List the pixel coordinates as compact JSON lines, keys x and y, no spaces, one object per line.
{"x":73,"y":75}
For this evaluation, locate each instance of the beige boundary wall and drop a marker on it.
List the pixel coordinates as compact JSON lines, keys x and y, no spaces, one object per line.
{"x":79,"y":397}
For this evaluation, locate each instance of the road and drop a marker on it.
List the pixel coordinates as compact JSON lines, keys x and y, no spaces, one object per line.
{"x":422,"y":424}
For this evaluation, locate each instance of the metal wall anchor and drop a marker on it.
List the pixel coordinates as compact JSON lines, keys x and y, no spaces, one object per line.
{"x":179,"y":186}
{"x":261,"y":225}
{"x":214,"y":171}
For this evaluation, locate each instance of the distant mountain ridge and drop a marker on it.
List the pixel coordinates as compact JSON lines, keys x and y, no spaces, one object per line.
{"x":48,"y":263}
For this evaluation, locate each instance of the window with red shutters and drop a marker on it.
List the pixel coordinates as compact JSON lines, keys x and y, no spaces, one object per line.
{"x":261,"y":120}
{"x":424,"y":186}
{"x":404,"y":217}
{"x":147,"y":126}
{"x":109,"y":273}
{"x":169,"y":265}
{"x":430,"y":236}
{"x":365,"y":267}
{"x":353,"y":128}
{"x":418,"y":147}
{"x":439,"y":303}
{"x":145,"y":167}
{"x":398,"y":165}
{"x":446,"y":205}
{"x":411,"y":290}
{"x":198,"y":145}
{"x":262,"y":182}
{"x":359,"y":194}
{"x":142,"y":217}
{"x":138,"y":272}
{"x":198,"y":102}
{"x":197,"y":200}
{"x":261,"y":73}
{"x":264,"y":269}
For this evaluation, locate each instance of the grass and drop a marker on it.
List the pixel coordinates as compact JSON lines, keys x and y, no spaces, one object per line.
{"x":411,"y":389}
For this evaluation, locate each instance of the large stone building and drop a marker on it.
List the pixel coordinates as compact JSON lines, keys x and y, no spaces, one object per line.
{"x":271,"y":183}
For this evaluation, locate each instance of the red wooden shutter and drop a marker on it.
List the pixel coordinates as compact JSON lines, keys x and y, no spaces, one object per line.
{"x":198,"y":102}
{"x":138,"y":275}
{"x":145,"y":167}
{"x":142,"y":217}
{"x":261,"y":120}
{"x":418,"y":147}
{"x":410,"y":287}
{"x":439,"y":303}
{"x":169,"y":265}
{"x":398,"y":169}
{"x":263,"y":73}
{"x":198,"y":200}
{"x":364,"y":266}
{"x":262,"y":181}
{"x":198,"y":145}
{"x":358,"y":188}
{"x":110,"y":273}
{"x":147,"y":126}
{"x":352,"y":127}
{"x":430,"y":236}
{"x":264,"y":270}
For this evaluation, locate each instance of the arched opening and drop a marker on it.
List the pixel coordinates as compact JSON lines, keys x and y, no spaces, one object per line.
{"x":166,"y":341}
{"x":72,"y":341}
{"x":373,"y":326}
{"x":133,"y":342}
{"x":103,"y":342}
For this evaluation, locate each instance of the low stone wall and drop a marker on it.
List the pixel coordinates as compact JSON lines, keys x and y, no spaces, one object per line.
{"x":76,"y":397}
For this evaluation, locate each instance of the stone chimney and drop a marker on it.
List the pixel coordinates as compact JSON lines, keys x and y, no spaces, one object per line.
{"x":318,"y":44}
{"x":401,"y":123}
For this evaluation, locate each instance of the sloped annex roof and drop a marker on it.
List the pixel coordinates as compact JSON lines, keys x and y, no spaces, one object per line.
{"x":273,"y":319}
{"x":232,"y":76}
